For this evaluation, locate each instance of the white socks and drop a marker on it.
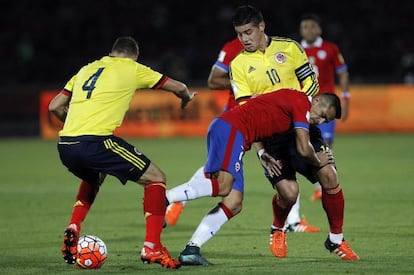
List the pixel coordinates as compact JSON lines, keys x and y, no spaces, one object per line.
{"x":294,"y":216}
{"x":198,"y":186}
{"x":209,"y":226}
{"x":336,"y":238}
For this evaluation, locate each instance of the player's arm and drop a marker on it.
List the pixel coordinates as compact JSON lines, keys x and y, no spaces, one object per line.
{"x":304,"y":71}
{"x":305,"y":149}
{"x":59,"y":105}
{"x":309,"y":82}
{"x":272,"y":165}
{"x":343,"y":81}
{"x":179,"y":89}
{"x":218,"y":79}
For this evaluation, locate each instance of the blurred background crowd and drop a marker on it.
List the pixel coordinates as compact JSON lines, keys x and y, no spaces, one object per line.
{"x":47,"y":41}
{"x":44,"y":42}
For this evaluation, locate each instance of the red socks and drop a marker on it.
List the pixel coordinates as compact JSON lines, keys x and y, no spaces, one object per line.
{"x":280,"y":211}
{"x":84,"y":200}
{"x":334,"y":204}
{"x":154,"y":211}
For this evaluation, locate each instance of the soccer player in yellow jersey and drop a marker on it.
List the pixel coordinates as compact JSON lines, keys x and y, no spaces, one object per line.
{"x":271,"y":63}
{"x":98,"y":97}
{"x":267,"y":64}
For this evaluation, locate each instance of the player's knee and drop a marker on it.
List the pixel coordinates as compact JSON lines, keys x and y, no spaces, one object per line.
{"x":328,"y":177}
{"x":234,"y":206}
{"x":224,"y":189}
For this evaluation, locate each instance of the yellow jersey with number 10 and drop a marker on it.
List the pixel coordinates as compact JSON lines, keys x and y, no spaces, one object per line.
{"x":283,"y":65}
{"x":101,"y":94}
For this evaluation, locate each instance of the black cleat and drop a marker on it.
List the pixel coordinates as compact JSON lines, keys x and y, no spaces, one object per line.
{"x":191,"y":256}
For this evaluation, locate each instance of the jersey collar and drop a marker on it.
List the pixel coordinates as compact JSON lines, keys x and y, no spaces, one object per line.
{"x":318,"y":43}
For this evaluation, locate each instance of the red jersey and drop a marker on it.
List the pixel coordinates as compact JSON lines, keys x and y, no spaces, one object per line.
{"x":229,"y":51}
{"x":326,"y":60}
{"x":269,"y":114}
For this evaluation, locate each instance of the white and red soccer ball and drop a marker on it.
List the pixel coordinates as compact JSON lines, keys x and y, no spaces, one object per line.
{"x":92,"y":252}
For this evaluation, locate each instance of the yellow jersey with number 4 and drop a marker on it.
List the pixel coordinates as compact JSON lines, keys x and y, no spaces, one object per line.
{"x":283,"y":65}
{"x":101,"y":93}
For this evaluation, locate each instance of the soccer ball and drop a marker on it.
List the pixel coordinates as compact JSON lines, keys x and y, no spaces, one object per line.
{"x":92,"y":252}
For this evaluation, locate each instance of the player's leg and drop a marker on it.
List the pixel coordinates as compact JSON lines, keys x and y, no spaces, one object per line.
{"x":225,"y":153}
{"x":295,"y":223}
{"x":211,"y":223}
{"x":70,"y":154}
{"x":224,"y":149}
{"x":175,"y":209}
{"x":287,"y":191}
{"x":328,"y":135}
{"x":154,"y":182}
{"x":196,"y":188}
{"x":282,"y":202}
{"x":333,"y":203}
{"x":126,"y":162}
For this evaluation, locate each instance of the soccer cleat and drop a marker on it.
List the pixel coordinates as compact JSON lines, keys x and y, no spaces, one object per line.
{"x":342,"y":250}
{"x":302,"y":227}
{"x":161,"y":256}
{"x":277,"y":243}
{"x":191,"y":256}
{"x":317,"y":195}
{"x":70,"y":244}
{"x":172,"y":214}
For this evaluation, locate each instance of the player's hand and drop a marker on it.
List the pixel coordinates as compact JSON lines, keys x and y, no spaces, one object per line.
{"x":326,"y":157}
{"x":187,"y":98}
{"x":272,"y":165}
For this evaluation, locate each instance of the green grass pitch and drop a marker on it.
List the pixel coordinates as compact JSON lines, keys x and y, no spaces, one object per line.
{"x":376,"y":173}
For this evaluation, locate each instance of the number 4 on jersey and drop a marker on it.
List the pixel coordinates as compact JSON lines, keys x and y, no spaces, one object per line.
{"x":89,"y":84}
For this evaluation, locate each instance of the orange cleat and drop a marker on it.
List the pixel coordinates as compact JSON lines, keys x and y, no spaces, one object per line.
{"x":173,"y":212}
{"x":302,"y":227}
{"x":161,"y":256}
{"x":342,"y":250}
{"x":317,"y":195}
{"x":277,"y":244}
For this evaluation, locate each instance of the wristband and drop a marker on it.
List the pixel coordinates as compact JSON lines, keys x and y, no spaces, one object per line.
{"x":260,"y":152}
{"x":346,"y":95}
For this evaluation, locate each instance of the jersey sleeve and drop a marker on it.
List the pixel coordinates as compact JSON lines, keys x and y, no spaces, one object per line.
{"x":238,"y":80}
{"x":304,"y":72}
{"x":339,"y":62}
{"x":301,"y":113}
{"x":148,"y":78}
{"x":227,"y":53}
{"x":69,"y":85}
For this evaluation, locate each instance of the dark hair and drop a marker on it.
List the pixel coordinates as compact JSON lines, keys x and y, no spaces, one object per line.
{"x":247,"y":14}
{"x":313,"y":17}
{"x":126,"y":45}
{"x":334,"y":101}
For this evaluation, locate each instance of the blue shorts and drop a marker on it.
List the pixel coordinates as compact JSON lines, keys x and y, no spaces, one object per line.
{"x":328,"y":130}
{"x":225,"y":151}
{"x":88,"y":156}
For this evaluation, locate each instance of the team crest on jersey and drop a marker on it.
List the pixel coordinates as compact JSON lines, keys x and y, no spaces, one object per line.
{"x":321,"y":54}
{"x":280,"y":57}
{"x":137,"y":151}
{"x":237,"y":166}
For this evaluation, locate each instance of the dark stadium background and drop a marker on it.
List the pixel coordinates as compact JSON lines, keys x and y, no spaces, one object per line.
{"x":44,"y":42}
